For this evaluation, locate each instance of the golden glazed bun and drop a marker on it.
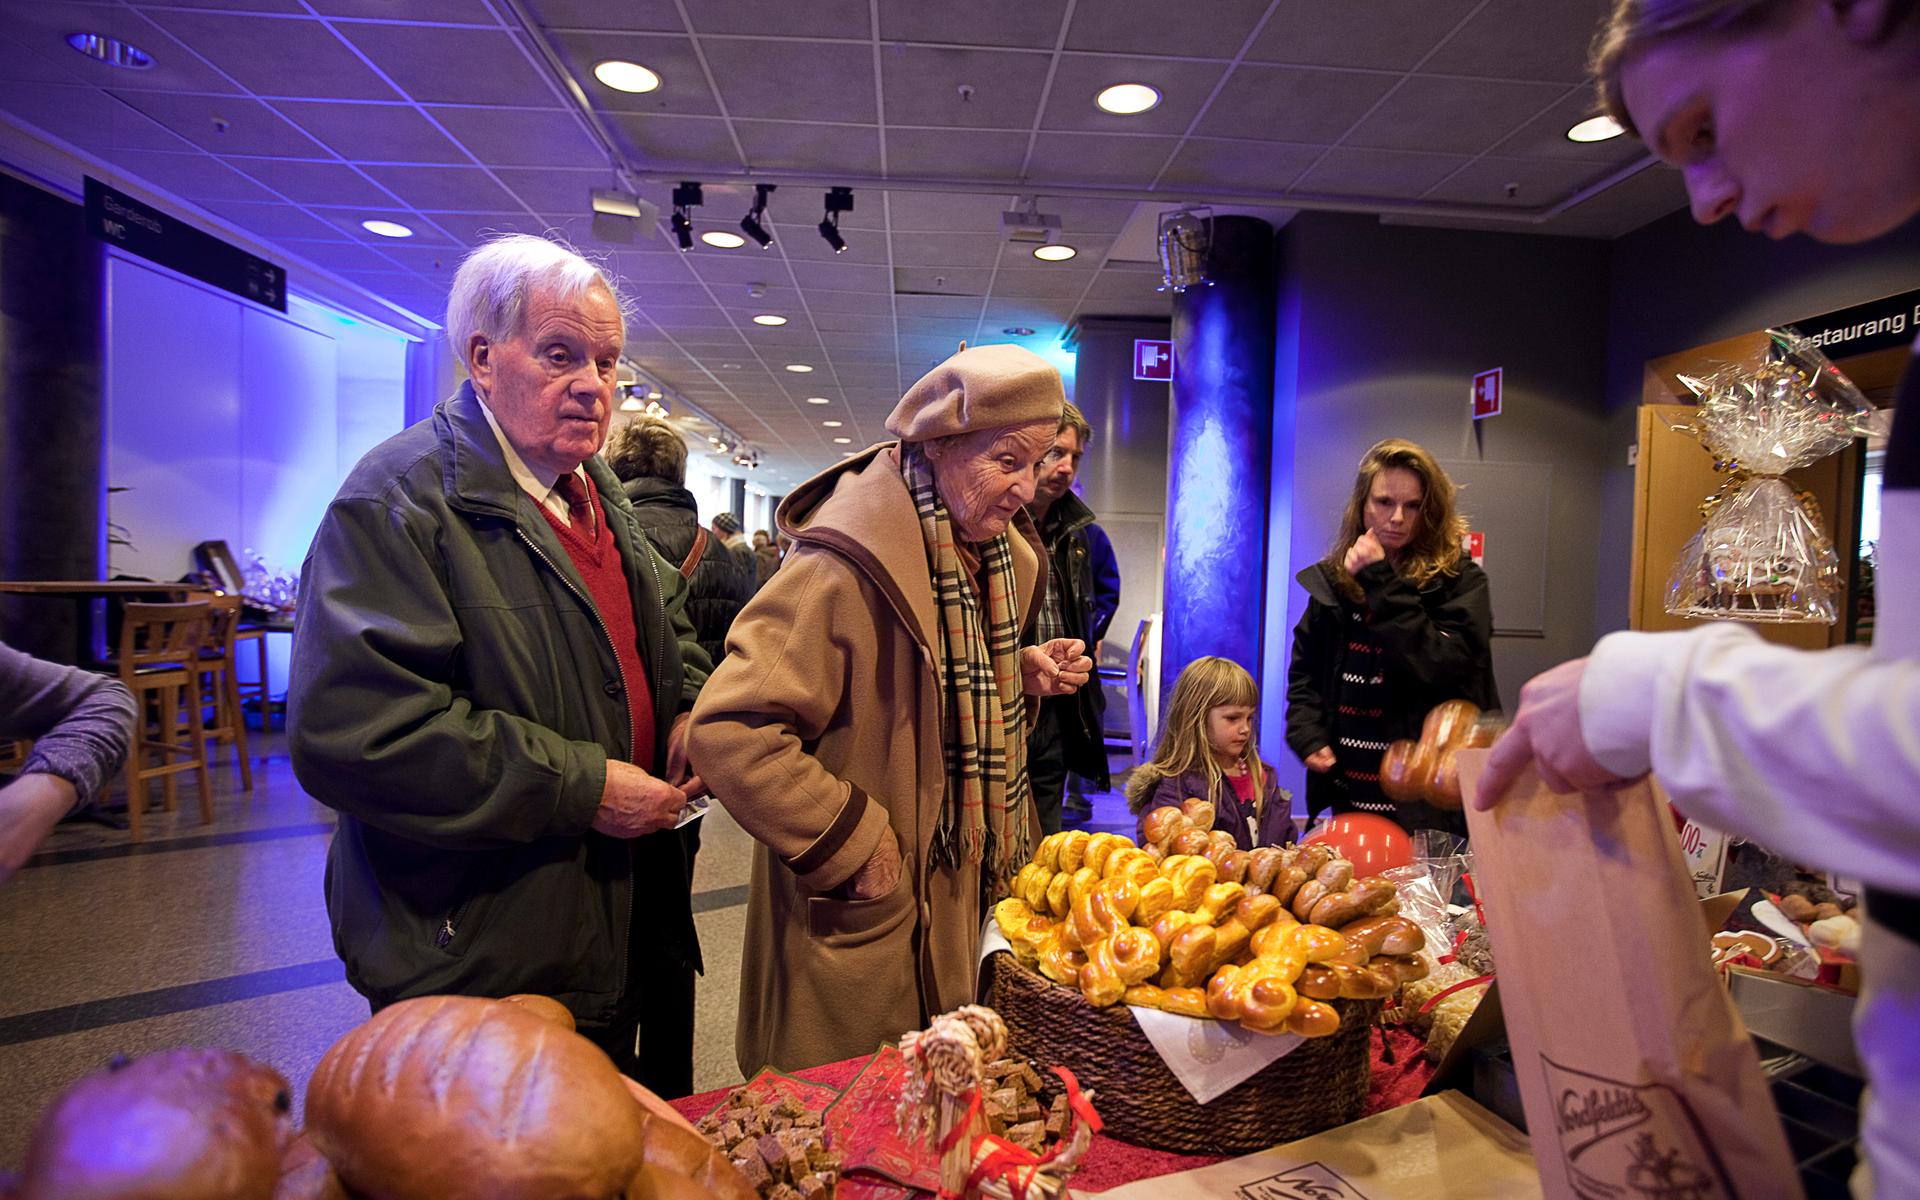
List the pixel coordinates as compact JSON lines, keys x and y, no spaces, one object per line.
{"x":304,"y":1175}
{"x":545,"y":1007}
{"x":459,"y":1098}
{"x":183,"y":1124}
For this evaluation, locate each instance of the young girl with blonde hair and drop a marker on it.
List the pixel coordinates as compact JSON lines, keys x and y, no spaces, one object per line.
{"x":1207,"y":750}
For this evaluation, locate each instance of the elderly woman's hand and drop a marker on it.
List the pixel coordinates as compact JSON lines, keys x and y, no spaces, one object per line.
{"x":1056,"y":668}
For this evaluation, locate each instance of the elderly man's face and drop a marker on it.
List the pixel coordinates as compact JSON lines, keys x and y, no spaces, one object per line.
{"x":986,"y":477}
{"x":551,"y":385}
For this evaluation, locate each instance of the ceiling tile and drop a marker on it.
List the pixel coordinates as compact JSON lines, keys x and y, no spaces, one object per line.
{"x":516,"y":137}
{"x":946,"y":249}
{"x":683,"y":83}
{"x":36,"y":60}
{"x":1052,"y":283}
{"x":554,"y":191}
{"x":1183,"y":87}
{"x":444,"y":189}
{"x":41,"y":29}
{"x":693,"y":142}
{"x":470,"y":229}
{"x":1033,"y":23}
{"x":275,"y":221}
{"x":425,"y":232}
{"x":1462,"y":116}
{"x":650,"y":268}
{"x":1388,"y":174}
{"x":279,"y":56}
{"x":1646,"y":196}
{"x":849,"y":322}
{"x":760,"y":77}
{"x":947,"y":211}
{"x":672,"y":294}
{"x":598,"y":14}
{"x":862,"y":306}
{"x":973,"y":154}
{"x":434,"y":262}
{"x":736,"y":268}
{"x":374,"y":132}
{"x":445,"y":65}
{"x":1390,"y":35}
{"x":801,"y":146}
{"x":849,"y":277}
{"x":305,"y":182}
{"x":1098,"y":158}
{"x":922,"y":86}
{"x":1211,"y":164}
{"x":289,"y":6}
{"x":1088,"y":216}
{"x":1001,"y":311}
{"x":452,"y":12}
{"x":1144,"y":27}
{"x":345,"y":256}
{"x":1291,"y":104}
{"x":943,"y":281}
{"x":814,"y":19}
{"x":193,"y":176}
{"x":944,"y":308}
{"x":1535,"y":182}
{"x":1546,"y":135}
{"x":1524,"y":39}
{"x":225,"y":124}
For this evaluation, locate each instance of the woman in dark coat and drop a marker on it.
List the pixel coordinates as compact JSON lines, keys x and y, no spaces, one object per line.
{"x":1397,"y":621}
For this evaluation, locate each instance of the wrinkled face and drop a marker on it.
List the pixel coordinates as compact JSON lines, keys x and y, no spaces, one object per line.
{"x":985,"y":477}
{"x":1393,"y":507}
{"x":551,"y":385}
{"x":1230,"y":728}
{"x":1797,"y":126}
{"x":1059,"y":466}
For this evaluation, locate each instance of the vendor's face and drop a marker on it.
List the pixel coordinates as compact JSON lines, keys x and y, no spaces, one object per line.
{"x":986,"y":477}
{"x":1394,"y":500}
{"x":1808,"y":124}
{"x":551,"y":384}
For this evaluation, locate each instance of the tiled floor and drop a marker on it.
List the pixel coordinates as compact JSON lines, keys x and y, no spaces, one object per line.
{"x":217,"y":935}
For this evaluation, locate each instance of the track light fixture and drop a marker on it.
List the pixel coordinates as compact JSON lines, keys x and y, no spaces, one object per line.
{"x":754,"y":223}
{"x":685,"y":197}
{"x":839,"y":200}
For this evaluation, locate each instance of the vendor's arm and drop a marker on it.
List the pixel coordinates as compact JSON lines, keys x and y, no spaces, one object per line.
{"x":790,"y":659}
{"x":375,"y":728}
{"x":80,"y":722}
{"x":1446,"y":647}
{"x":1815,"y":754}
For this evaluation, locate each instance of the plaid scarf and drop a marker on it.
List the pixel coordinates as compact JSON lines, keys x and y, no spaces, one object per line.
{"x":985,"y":815}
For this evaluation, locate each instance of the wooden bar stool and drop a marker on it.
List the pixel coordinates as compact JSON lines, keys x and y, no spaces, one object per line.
{"x":250,"y":633}
{"x":218,"y":685}
{"x":160,"y":646}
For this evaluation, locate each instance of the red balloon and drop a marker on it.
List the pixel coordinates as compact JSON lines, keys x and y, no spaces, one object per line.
{"x":1371,"y":843}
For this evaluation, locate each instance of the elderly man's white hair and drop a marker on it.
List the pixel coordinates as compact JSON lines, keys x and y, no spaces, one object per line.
{"x":489,"y":295}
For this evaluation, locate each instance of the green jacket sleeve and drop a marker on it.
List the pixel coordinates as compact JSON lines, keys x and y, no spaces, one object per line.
{"x":373,"y":725}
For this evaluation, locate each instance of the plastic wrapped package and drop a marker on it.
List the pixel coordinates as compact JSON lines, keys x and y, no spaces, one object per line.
{"x":1421,"y":903}
{"x":1762,"y":554}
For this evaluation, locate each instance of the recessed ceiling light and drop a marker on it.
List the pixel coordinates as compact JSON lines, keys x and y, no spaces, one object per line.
{"x":830,"y":424}
{"x":843,"y":441}
{"x":625,"y":76}
{"x":1126,"y":99}
{"x":1057,"y":252}
{"x":1595,"y":129}
{"x":723,"y":239}
{"x":1017,"y":331}
{"x":799,"y":368}
{"x":818,"y":400}
{"x":111,"y":51}
{"x":393,"y":229}
{"x":769,"y":319}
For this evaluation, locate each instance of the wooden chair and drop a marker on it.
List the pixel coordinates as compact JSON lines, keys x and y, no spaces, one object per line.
{"x":218,"y":685}
{"x":160,"y":646}
{"x":13,"y":754}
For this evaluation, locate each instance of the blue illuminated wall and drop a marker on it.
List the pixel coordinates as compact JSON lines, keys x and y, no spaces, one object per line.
{"x":1219,"y":456}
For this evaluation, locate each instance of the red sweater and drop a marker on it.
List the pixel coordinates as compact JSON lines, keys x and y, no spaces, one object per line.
{"x":598,"y":562}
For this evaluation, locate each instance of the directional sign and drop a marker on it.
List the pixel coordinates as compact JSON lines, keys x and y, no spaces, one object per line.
{"x":1486,"y":394}
{"x":1152,"y":360}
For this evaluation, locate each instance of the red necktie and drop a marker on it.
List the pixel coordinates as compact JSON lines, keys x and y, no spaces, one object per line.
{"x":574,"y":492}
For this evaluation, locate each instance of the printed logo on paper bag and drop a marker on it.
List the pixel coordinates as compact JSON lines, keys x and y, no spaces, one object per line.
{"x":1625,"y":1141}
{"x":1309,"y":1181}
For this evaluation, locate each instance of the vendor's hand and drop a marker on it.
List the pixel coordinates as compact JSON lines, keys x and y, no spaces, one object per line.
{"x":634,"y":803}
{"x":1364,"y":552}
{"x":1546,"y":732}
{"x":30,"y":807}
{"x":881,"y":874}
{"x":679,"y":770}
{"x":1320,"y":760}
{"x":1056,"y":668}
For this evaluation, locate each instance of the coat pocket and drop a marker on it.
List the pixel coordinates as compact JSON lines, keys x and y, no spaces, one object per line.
{"x":837,"y":924}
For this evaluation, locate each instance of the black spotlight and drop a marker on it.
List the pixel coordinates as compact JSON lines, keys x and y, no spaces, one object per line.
{"x":685,"y":197}
{"x":754,"y":223}
{"x":839,"y":200}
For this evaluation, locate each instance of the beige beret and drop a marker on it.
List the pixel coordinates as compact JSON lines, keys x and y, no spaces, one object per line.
{"x":984,"y":387}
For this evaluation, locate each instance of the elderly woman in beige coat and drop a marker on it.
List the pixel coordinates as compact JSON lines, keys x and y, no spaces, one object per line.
{"x":869,"y":724}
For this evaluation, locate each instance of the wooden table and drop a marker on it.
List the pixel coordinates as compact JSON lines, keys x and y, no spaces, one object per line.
{"x":90,"y":645}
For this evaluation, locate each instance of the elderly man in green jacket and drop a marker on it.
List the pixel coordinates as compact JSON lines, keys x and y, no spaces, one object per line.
{"x":491,"y":678}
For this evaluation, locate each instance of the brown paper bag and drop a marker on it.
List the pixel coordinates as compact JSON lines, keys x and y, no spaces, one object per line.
{"x":1639,"y":1079}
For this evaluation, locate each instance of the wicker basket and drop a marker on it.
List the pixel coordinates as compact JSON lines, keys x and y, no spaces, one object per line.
{"x":1321,"y":1084}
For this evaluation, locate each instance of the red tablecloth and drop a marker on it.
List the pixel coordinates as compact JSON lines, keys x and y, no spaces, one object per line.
{"x":1111,"y":1162}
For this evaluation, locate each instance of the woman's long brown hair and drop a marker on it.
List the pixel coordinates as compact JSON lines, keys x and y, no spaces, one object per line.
{"x":1436,"y":546}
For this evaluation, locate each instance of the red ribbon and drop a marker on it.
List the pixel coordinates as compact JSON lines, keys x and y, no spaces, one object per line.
{"x":1005,"y":1161}
{"x":1473,"y":894}
{"x":1443,"y":993}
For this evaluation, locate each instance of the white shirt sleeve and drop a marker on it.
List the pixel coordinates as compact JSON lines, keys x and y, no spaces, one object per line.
{"x":1813,"y":754}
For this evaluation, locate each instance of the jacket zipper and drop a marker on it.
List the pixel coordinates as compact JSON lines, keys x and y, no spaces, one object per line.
{"x":451,"y":926}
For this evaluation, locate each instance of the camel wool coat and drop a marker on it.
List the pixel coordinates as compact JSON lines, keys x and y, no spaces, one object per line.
{"x":821,"y":734}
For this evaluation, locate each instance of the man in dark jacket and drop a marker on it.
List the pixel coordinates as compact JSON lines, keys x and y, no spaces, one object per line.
{"x":492,"y":671}
{"x":1067,"y":729}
